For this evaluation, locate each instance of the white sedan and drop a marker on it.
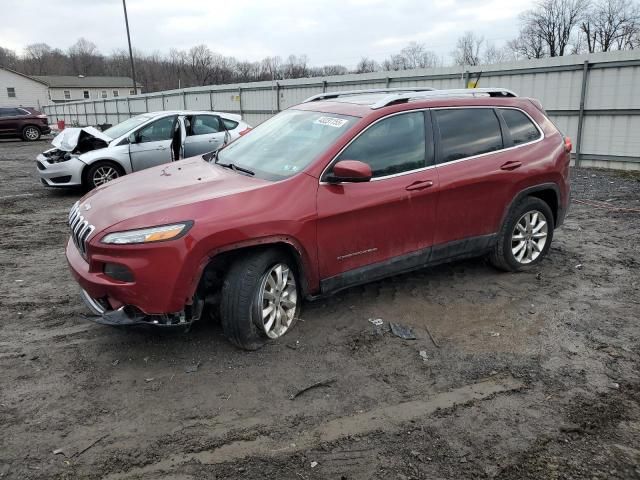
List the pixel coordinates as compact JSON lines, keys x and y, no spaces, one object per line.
{"x":89,"y":158}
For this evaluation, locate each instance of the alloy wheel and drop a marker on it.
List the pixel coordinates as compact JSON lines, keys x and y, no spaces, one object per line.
{"x":104,"y":174}
{"x":278,"y":300}
{"x":32,"y":133}
{"x":529,"y":237}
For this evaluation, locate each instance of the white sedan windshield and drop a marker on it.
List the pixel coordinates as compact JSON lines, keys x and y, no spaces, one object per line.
{"x":126,"y":126}
{"x":287,"y":143}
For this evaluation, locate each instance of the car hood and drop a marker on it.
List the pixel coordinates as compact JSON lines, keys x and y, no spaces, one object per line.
{"x":161,"y":195}
{"x":69,"y":138}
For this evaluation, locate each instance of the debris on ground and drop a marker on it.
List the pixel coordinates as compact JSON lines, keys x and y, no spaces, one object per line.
{"x":423,"y":355}
{"x":58,"y":451}
{"x":401,"y":331}
{"x":378,"y":326}
{"x":323,"y":383}
{"x":192,"y":368}
{"x":314,"y":464}
{"x":431,"y":337}
{"x":91,"y":445}
{"x":494,"y":334}
{"x":115,"y":362}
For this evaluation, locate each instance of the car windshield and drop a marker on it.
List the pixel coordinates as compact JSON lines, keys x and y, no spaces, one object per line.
{"x":126,"y":126}
{"x":285,"y":144}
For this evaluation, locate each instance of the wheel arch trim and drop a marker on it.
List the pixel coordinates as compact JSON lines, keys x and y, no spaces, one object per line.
{"x":532,"y":190}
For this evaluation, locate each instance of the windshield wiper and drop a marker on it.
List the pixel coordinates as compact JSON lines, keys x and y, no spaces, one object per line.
{"x":214,"y":156}
{"x":235,"y":167}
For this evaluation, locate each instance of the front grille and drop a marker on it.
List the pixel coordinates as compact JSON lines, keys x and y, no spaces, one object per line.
{"x":80,"y":229}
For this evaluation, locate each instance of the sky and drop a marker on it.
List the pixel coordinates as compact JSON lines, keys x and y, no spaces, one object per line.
{"x":328,"y":31}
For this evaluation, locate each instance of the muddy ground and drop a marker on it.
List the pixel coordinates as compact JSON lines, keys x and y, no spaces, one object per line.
{"x":534,"y":375}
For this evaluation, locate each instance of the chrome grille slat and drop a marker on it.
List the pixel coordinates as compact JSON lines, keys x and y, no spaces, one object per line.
{"x":80,"y":228}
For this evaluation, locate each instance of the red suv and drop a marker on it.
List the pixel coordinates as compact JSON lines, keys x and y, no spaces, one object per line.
{"x":342,"y":189}
{"x":22,"y":122}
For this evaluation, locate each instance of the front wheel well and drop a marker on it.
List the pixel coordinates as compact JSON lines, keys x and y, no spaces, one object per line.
{"x":88,"y":166}
{"x":214,"y":272}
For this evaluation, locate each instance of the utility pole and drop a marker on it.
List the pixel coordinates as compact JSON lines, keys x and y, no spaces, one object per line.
{"x":133,"y":68}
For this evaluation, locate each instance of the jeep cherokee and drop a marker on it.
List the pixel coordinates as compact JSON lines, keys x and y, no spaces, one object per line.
{"x":345,"y":188}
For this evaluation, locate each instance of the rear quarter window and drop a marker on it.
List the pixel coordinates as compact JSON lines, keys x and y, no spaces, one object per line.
{"x":465,"y":132}
{"x":520,"y":126}
{"x":230,"y":124}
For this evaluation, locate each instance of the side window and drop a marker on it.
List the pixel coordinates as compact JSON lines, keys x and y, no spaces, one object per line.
{"x":520,"y":126}
{"x":11,"y":92}
{"x":159,"y":130}
{"x":393,"y":145}
{"x":465,"y":132}
{"x":230,"y":124}
{"x":67,"y":95}
{"x":205,"y":125}
{"x":103,"y":94}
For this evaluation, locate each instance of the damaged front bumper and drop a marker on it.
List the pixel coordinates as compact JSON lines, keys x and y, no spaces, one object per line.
{"x":67,"y":173}
{"x":127,"y":315}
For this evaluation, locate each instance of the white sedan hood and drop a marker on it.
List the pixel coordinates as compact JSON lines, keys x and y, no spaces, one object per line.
{"x":68,"y":139}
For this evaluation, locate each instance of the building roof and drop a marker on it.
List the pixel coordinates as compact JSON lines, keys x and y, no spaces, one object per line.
{"x":23,"y":75}
{"x":79,"y":81}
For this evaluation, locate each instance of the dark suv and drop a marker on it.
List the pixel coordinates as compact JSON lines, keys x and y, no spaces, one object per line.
{"x":342,"y":189}
{"x":23,"y":122}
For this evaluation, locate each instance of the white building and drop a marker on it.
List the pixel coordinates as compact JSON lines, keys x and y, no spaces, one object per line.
{"x":67,"y":88}
{"x":19,"y":90}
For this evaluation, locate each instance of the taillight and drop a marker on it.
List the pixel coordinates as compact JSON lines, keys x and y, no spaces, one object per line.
{"x":245,"y":131}
{"x":568,"y":146}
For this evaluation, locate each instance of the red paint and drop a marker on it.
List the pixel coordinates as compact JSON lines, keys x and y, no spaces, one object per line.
{"x":334,"y":227}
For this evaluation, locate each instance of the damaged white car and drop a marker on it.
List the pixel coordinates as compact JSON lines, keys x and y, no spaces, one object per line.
{"x":89,"y":158}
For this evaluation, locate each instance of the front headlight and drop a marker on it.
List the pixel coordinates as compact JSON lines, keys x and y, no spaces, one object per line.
{"x":148,"y":235}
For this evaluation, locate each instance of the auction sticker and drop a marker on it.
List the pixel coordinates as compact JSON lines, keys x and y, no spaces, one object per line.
{"x":331,"y":121}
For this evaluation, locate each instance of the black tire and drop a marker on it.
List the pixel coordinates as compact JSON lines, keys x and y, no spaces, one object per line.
{"x":94,"y":171}
{"x":502,"y":256}
{"x":240,"y":308}
{"x":31,"y":133}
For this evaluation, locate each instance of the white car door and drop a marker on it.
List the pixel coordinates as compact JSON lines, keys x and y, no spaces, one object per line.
{"x":152,"y":144}
{"x":205,"y":134}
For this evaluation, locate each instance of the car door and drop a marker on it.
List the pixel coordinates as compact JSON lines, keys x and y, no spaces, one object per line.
{"x":370,"y":229}
{"x":477,"y":176}
{"x":11,"y":121}
{"x":153,"y":143}
{"x":204,"y":134}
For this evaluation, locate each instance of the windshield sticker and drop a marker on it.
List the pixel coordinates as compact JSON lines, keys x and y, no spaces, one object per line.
{"x":331,"y":121}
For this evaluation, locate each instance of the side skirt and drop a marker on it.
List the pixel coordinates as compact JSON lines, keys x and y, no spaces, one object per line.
{"x":428,"y":257}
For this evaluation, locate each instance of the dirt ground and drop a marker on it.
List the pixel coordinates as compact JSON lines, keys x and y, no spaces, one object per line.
{"x":529,"y":375}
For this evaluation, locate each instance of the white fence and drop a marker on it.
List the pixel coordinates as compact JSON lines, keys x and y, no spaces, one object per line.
{"x":592,"y":98}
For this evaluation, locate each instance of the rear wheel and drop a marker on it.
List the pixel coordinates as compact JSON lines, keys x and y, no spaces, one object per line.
{"x":101,"y":173}
{"x":525,"y":237}
{"x":260,"y":299}
{"x":30,"y":133}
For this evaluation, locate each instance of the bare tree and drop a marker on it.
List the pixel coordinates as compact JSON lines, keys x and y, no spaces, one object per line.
{"x":367,"y":65}
{"x":85,"y":57}
{"x":467,"y":50}
{"x":200,"y":63}
{"x":529,"y":44}
{"x":8,"y":58}
{"x":296,"y":66}
{"x":493,"y":54}
{"x":554,"y":22}
{"x":611,"y":24}
{"x":414,"y":55}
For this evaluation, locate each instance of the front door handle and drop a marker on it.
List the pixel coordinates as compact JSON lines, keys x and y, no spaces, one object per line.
{"x":511,"y":165}
{"x":419,"y":185}
{"x":161,"y":148}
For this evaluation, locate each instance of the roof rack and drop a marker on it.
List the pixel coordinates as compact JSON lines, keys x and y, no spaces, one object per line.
{"x":458,"y":92}
{"x":397,"y":90}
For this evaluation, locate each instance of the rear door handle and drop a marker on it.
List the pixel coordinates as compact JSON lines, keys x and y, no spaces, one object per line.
{"x":512,"y":165}
{"x":419,"y":185}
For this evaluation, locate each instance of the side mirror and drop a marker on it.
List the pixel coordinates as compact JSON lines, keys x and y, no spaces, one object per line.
{"x":350,"y":171}
{"x":133,"y":138}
